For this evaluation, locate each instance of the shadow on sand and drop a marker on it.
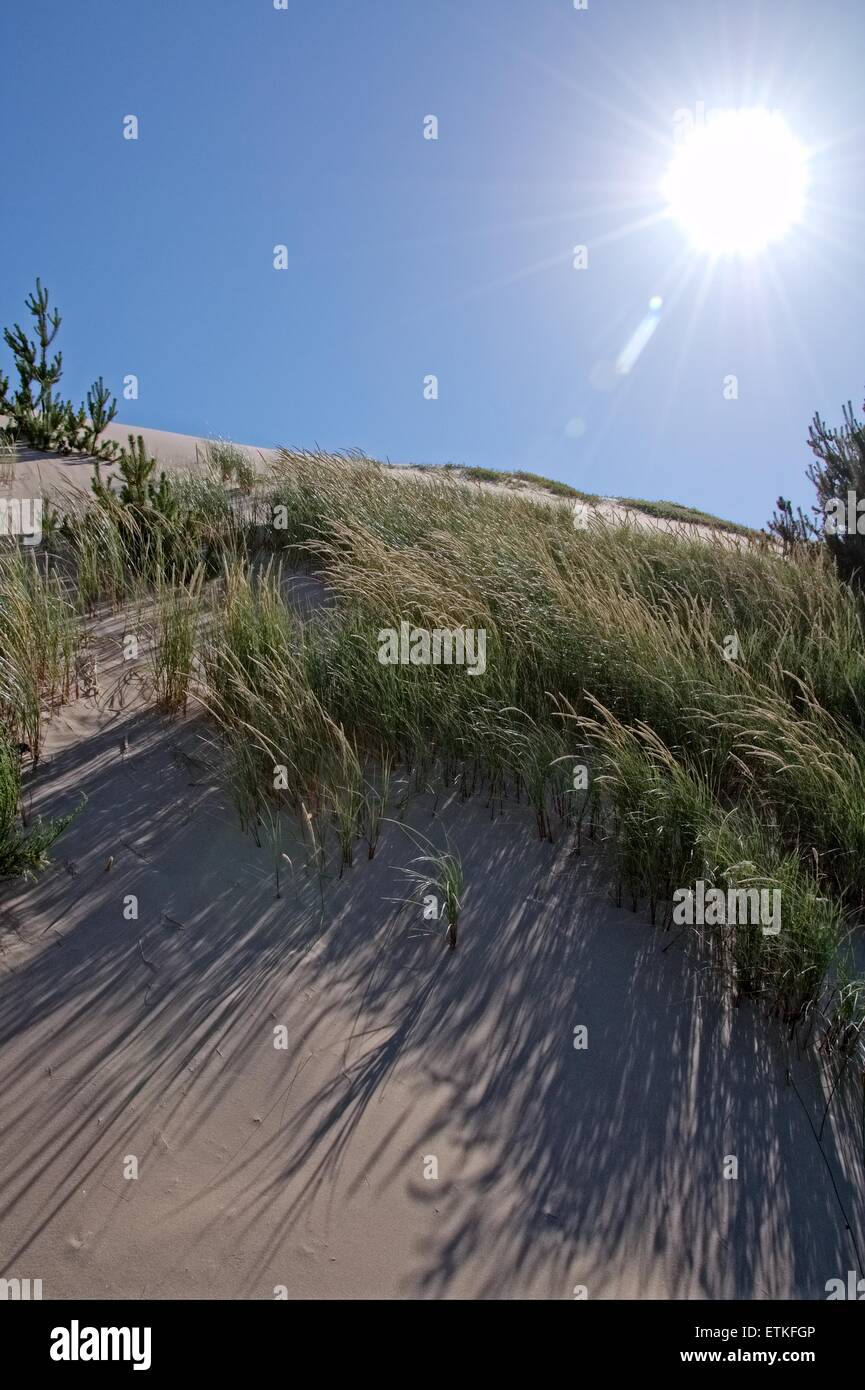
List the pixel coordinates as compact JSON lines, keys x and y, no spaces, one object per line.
{"x":305,"y":1166}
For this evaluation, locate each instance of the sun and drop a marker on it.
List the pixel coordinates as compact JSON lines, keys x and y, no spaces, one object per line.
{"x":737,"y":183}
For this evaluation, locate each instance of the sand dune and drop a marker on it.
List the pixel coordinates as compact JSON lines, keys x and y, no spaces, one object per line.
{"x":308,"y":1168}
{"x":39,"y":474}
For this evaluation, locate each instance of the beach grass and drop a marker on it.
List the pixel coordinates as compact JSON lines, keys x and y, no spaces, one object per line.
{"x":715,"y":692}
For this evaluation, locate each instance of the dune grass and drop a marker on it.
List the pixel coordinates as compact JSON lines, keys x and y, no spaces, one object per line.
{"x":39,"y":638}
{"x":716,"y":693}
{"x":441,"y":871}
{"x":745,"y":669}
{"x":228,"y":464}
{"x":669,"y":511}
{"x":178,"y":608}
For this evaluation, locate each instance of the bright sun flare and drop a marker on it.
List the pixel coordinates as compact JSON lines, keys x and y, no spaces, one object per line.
{"x":737,"y":183}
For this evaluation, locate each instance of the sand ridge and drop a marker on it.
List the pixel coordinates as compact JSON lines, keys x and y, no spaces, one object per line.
{"x":47,"y":475}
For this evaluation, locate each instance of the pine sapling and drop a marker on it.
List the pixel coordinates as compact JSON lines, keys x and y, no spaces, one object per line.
{"x":38,"y":416}
{"x":34,"y":411}
{"x":101,"y":410}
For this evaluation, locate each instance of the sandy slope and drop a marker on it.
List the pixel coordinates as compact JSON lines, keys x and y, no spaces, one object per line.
{"x":304,"y":1167}
{"x":38,"y":474}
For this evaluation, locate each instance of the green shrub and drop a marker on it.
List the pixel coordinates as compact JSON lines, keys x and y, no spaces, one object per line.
{"x":22,"y":853}
{"x":35,"y":413}
{"x":838,"y":469}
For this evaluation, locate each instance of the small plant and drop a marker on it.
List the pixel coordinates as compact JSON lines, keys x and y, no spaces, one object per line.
{"x":137,"y":468}
{"x":228,"y":463}
{"x":376,"y":796}
{"x":101,"y":410}
{"x":314,"y":839}
{"x":152,"y":523}
{"x":273,"y":829}
{"x":174,"y":646}
{"x":21,"y":854}
{"x":95,"y":542}
{"x":345,"y":798}
{"x":442,"y":871}
{"x":7,"y":451}
{"x":839,"y":468}
{"x":52,"y":524}
{"x":245,"y":779}
{"x":39,"y":637}
{"x":36,"y":414}
{"x":791,"y":529}
{"x":845,"y":1013}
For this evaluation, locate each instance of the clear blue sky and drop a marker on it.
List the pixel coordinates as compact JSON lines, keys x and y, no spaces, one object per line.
{"x":455,"y":257}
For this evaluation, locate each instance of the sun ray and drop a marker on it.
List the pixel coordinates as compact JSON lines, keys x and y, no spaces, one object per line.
{"x":692,"y":267}
{"x":807,"y":357}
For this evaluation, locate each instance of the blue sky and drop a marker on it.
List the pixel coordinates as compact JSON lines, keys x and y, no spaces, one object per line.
{"x":409,"y":257}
